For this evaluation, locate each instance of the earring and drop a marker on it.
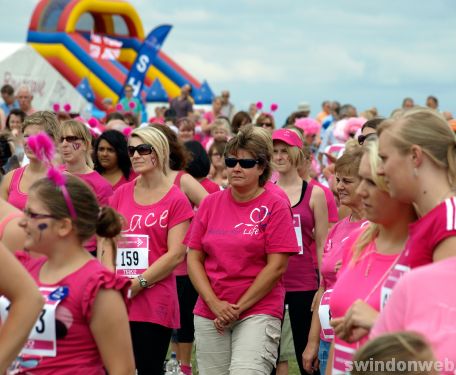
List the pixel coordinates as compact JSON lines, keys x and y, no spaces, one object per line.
{"x":415,"y":172}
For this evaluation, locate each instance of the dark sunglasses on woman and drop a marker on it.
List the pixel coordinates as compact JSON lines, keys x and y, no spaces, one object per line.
{"x":142,"y":149}
{"x":244,"y":163}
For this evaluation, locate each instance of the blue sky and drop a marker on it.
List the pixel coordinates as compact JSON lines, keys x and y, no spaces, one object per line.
{"x":367,"y":53}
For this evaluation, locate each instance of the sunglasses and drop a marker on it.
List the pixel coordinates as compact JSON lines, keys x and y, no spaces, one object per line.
{"x":70,"y":139}
{"x":143,"y":149}
{"x":362,"y":138}
{"x":34,"y":215}
{"x":244,"y":163}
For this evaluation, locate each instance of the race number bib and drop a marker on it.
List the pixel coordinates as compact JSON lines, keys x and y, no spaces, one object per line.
{"x":297,"y":227}
{"x":132,"y":255}
{"x":42,"y":339}
{"x":343,"y":356}
{"x":325,"y":315}
{"x":396,"y":273}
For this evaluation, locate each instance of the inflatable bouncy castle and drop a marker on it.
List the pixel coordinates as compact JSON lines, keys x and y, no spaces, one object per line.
{"x":62,"y":31}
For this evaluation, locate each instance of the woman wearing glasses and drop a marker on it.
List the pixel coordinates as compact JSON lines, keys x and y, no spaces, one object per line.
{"x":239,"y":242}
{"x":16,"y":184}
{"x":75,"y":149}
{"x":84,"y":302}
{"x":157,"y":216}
{"x":266,"y":121}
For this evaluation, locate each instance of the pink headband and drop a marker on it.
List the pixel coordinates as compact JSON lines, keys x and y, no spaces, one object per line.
{"x":43,"y":148}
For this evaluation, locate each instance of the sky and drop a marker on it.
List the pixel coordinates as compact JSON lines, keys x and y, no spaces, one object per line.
{"x":363,"y":52}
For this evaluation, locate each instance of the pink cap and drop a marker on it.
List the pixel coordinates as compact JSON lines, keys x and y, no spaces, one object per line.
{"x":288,"y":136}
{"x":308,"y":125}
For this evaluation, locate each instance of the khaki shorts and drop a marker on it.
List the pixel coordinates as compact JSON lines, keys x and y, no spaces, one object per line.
{"x":249,"y":347}
{"x":287,"y":352}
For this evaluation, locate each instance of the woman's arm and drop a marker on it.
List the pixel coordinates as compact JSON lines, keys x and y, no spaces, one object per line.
{"x":310,"y":354}
{"x":111,"y":331}
{"x":4,"y":186}
{"x":222,"y":309}
{"x":26,"y":304}
{"x":320,"y":212}
{"x":205,"y":126}
{"x":192,"y":189}
{"x":166,"y":264}
{"x":265,"y":281}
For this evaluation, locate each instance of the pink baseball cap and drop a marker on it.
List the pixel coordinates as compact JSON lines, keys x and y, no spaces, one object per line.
{"x":288,"y":136}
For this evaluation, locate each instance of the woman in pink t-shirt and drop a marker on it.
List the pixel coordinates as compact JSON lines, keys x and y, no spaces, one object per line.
{"x":157,"y":216}
{"x":310,"y":219}
{"x":357,"y":295}
{"x":321,"y":333}
{"x":111,"y":159}
{"x":239,"y":242}
{"x":84,"y":324}
{"x":209,"y":117}
{"x":418,"y":152}
{"x":16,"y":184}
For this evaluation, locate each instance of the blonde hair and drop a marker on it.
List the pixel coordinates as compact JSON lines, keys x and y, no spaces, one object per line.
{"x":400,"y":346}
{"x":221,"y":123}
{"x":46,"y":119}
{"x":427,"y":129}
{"x":78,"y":129}
{"x":371,"y":150}
{"x":158,"y":141}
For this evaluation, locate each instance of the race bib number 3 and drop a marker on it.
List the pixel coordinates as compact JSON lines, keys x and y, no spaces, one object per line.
{"x":132,"y":255}
{"x":42,"y":339}
{"x":297,"y":227}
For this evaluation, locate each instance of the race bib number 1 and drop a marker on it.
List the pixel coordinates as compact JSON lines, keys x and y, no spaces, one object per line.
{"x":325,"y":315}
{"x":297,"y":227}
{"x":42,"y":340}
{"x":132,"y":255}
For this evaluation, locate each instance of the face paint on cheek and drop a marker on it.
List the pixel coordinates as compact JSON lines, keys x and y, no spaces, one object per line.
{"x":42,"y":227}
{"x":76,"y":146}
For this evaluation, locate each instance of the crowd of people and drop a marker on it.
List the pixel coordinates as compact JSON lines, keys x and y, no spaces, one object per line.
{"x":330,"y":240}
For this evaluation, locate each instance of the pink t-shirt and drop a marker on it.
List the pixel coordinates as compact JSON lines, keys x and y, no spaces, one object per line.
{"x":363,"y":281}
{"x":425,"y":235}
{"x":15,"y":196}
{"x":335,"y":243}
{"x":158,"y":304}
{"x":99,"y":185}
{"x":209,"y":186}
{"x":236,"y":238}
{"x":123,"y":180}
{"x":77,"y":351}
{"x":277,"y":190}
{"x":424,"y":301}
{"x":301,"y":275}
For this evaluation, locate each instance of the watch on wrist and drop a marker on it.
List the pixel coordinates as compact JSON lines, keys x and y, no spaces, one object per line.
{"x":143,"y":283}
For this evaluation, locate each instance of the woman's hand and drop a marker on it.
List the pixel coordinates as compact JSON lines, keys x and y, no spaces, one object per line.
{"x":356,"y":323}
{"x":310,"y":357}
{"x":224,"y":311}
{"x":135,"y":288}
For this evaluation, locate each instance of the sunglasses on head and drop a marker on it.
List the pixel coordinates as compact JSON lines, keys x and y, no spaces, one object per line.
{"x":244,"y":163}
{"x":70,"y":139}
{"x":362,"y":138}
{"x":142,"y":149}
